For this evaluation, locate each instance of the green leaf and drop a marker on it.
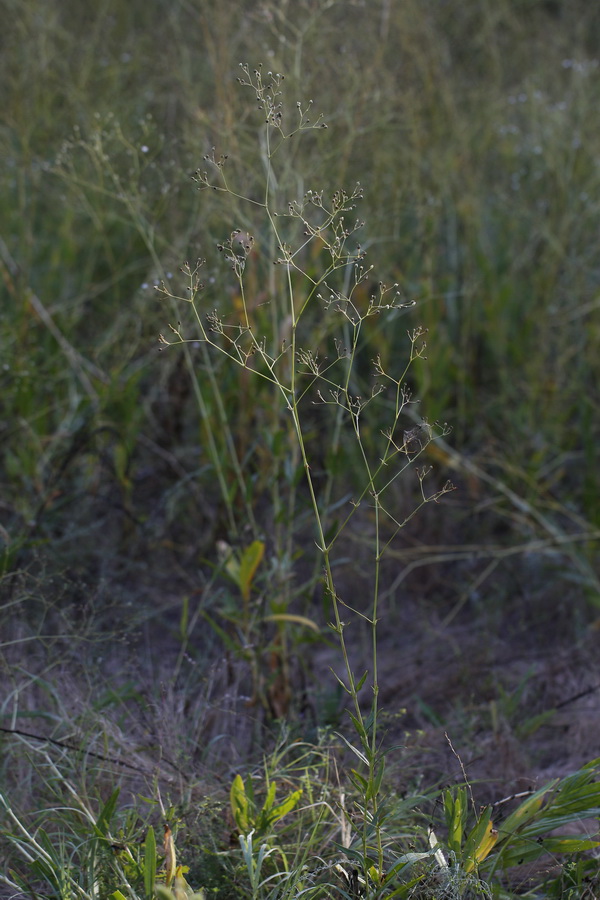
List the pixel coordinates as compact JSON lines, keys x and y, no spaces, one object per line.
{"x":523,"y":832}
{"x":351,"y":853}
{"x":547,"y":823}
{"x":270,"y":798}
{"x":361,"y":732}
{"x":350,"y":746}
{"x":249,"y":785}
{"x":296,"y":620}
{"x":361,"y":784}
{"x":480,"y":841}
{"x":375,"y":785}
{"x":282,"y":809}
{"x":149,"y":863}
{"x":107,"y":812}
{"x":368,"y":721}
{"x":525,"y":812}
{"x":227,"y":640}
{"x":339,"y":680}
{"x":531,"y":725}
{"x":477,"y":835}
{"x":406,"y":890}
{"x":455,"y":809}
{"x":556,"y":844}
{"x":360,"y":683}
{"x":240,"y":805}
{"x":522,"y":851}
{"x":409,"y":859}
{"x":249,"y":563}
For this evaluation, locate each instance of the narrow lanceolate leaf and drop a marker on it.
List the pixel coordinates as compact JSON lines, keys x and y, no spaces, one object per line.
{"x":294,"y":619}
{"x":524,"y":813}
{"x":360,"y":682}
{"x":455,"y":808}
{"x":270,"y":798}
{"x":480,"y":841}
{"x":377,"y":779}
{"x":339,"y":680}
{"x":107,"y":812}
{"x":527,"y":851}
{"x":170,"y":856}
{"x":484,"y":847}
{"x":249,"y":563}
{"x":149,"y":863}
{"x":282,"y":809}
{"x":555,"y":844}
{"x":361,"y":731}
{"x":354,"y":749}
{"x":361,"y":784}
{"x":239,"y":804}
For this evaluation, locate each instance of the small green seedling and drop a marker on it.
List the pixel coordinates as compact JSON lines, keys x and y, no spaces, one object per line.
{"x":249,"y":817}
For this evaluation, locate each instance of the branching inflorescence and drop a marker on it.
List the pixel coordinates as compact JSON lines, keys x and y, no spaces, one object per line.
{"x":305,"y":341}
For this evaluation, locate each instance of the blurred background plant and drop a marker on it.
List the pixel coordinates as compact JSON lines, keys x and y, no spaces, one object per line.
{"x":472,"y":130}
{"x":479,"y":169}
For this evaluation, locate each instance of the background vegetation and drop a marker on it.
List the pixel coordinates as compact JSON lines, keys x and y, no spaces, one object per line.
{"x":132,"y":481}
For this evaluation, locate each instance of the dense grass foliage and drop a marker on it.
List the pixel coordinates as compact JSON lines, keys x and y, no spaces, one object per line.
{"x":162,"y":601}
{"x":471,"y":130}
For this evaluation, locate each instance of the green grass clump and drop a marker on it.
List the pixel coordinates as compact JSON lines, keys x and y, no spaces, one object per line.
{"x":293,"y":833}
{"x":480,"y":176}
{"x":189,"y":540}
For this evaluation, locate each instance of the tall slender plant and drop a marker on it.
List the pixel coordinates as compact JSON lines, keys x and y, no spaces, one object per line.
{"x":306,"y":340}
